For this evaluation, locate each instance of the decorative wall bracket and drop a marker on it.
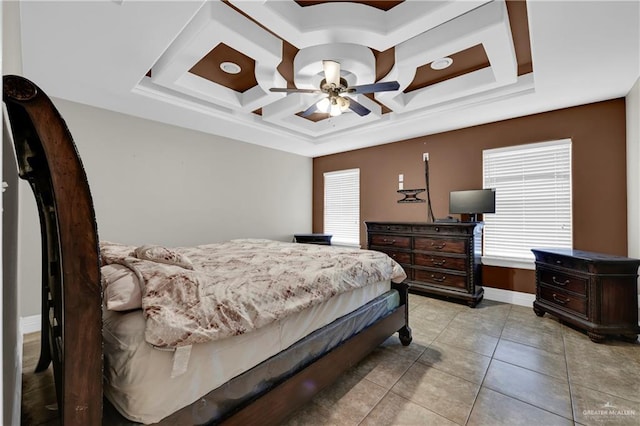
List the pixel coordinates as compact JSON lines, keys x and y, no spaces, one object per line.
{"x":411,"y":196}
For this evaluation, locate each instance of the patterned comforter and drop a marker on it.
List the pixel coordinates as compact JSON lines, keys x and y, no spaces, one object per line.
{"x":198,"y":294}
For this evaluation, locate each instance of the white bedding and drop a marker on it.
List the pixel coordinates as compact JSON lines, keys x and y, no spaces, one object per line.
{"x":138,"y":376}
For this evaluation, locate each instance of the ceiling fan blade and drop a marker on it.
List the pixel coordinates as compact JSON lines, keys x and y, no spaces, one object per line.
{"x":386,"y":86}
{"x":358,"y":108}
{"x":307,"y":112}
{"x":332,"y":72}
{"x":281,"y":89}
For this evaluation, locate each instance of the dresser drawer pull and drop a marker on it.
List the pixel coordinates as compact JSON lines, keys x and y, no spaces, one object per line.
{"x":560,"y":301}
{"x":558,"y":262}
{"x":438,"y":246}
{"x":438,"y":263}
{"x":441,"y":279}
{"x":555,"y":281}
{"x":389,"y":242}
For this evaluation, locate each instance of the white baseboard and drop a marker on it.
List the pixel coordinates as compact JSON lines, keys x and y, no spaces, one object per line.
{"x":508,"y":296}
{"x":30,"y":324}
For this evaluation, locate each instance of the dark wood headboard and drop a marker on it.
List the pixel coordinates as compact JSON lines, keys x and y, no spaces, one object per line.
{"x":71,"y":291}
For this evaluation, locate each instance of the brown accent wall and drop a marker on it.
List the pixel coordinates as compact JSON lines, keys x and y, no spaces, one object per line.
{"x":455,"y":163}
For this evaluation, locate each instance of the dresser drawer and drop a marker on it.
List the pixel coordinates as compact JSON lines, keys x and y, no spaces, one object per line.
{"x":401,"y":257}
{"x":441,"y":278}
{"x":563,"y":281}
{"x":435,"y":261}
{"x":390,"y":241}
{"x":389,"y":227}
{"x":445,"y":245}
{"x":564,"y":300}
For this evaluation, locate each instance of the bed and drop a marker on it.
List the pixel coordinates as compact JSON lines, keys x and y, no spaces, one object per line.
{"x":303,"y":354}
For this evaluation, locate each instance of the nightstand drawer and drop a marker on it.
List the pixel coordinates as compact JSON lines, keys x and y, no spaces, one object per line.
{"x":445,"y":245}
{"x":444,"y":262}
{"x":564,"y":300}
{"x":563,"y":261}
{"x":563,"y":281}
{"x":441,"y":278}
{"x":390,"y":241}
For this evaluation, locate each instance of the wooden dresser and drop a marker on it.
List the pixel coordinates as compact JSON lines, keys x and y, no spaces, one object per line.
{"x":595,"y":292}
{"x":439,"y":258}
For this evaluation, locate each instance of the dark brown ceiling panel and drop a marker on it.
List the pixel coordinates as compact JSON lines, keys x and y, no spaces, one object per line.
{"x":315,"y":117}
{"x":384,"y":61}
{"x":285,"y":68}
{"x":209,"y":68}
{"x":519,"y":23}
{"x":465,"y":61}
{"x":378,"y":4}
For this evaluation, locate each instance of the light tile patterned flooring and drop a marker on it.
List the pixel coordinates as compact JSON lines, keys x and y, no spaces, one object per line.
{"x":497,"y":364}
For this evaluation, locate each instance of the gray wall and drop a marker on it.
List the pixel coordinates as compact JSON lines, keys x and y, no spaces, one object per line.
{"x":11,"y":354}
{"x":156,"y":183}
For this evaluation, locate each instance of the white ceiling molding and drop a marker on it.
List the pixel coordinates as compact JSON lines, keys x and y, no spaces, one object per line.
{"x":582,"y":51}
{"x":217,"y":23}
{"x":487,"y":25}
{"x":353,"y":23}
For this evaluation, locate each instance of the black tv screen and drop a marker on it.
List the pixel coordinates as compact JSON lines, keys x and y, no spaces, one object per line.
{"x":473,"y":201}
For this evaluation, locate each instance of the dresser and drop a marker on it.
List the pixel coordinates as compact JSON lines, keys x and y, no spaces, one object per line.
{"x":595,"y":292}
{"x":439,"y":258}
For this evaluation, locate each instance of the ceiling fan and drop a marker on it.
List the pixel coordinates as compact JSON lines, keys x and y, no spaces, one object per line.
{"x":335,"y":86}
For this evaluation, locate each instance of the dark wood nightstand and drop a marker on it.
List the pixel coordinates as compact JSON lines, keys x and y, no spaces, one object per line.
{"x":595,"y":292}
{"x":321,"y":239}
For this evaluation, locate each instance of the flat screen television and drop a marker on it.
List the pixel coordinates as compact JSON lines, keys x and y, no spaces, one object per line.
{"x":472,"y":202}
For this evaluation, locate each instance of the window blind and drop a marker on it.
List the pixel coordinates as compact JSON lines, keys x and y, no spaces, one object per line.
{"x":533,"y":199}
{"x":342,"y":206}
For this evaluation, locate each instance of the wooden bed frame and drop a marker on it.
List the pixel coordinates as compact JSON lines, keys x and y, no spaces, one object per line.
{"x":71,"y":290}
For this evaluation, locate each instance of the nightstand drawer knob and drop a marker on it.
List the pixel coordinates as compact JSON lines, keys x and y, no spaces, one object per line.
{"x":438,"y":263}
{"x":558,"y":262}
{"x":389,"y":242}
{"x":439,"y":279}
{"x":438,"y":246}
{"x":555,"y":281}
{"x":560,"y":301}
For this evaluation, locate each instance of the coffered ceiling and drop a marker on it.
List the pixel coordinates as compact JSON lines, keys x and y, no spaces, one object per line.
{"x":209,"y":65}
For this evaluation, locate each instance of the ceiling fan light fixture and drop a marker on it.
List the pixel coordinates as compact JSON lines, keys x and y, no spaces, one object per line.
{"x":323,"y":105}
{"x":335,"y":108}
{"x":230,"y":67}
{"x":441,"y":63}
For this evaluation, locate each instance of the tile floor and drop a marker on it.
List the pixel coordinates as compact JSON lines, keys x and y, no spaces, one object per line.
{"x":497,"y":364}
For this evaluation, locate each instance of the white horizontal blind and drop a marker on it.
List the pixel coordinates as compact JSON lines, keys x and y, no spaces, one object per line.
{"x":533,"y":199}
{"x":342,"y":206}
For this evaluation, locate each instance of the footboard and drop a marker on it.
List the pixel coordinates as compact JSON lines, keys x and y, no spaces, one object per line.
{"x":71,"y":293}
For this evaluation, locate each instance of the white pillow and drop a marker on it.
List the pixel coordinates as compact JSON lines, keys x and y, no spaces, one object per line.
{"x":121,"y":288}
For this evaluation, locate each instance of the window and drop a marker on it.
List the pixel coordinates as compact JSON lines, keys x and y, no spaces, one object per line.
{"x":342,"y":206}
{"x":533,"y":201}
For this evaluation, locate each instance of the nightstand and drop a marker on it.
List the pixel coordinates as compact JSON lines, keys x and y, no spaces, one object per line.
{"x":595,"y":292}
{"x":321,"y":239}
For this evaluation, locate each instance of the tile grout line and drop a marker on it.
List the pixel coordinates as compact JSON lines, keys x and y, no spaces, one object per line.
{"x":488,"y":366}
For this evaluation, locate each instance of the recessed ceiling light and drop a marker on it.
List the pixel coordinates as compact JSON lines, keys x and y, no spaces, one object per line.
{"x":230,"y":67}
{"x":442,"y":63}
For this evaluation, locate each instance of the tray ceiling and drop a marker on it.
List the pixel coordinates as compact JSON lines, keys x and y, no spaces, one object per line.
{"x":209,"y":65}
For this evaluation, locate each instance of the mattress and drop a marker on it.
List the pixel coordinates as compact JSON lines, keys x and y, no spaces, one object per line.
{"x":138,"y":377}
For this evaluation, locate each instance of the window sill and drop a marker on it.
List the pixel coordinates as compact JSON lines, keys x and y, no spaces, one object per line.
{"x":509,"y":262}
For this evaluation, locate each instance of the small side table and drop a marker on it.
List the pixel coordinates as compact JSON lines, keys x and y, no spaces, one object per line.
{"x":321,"y":239}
